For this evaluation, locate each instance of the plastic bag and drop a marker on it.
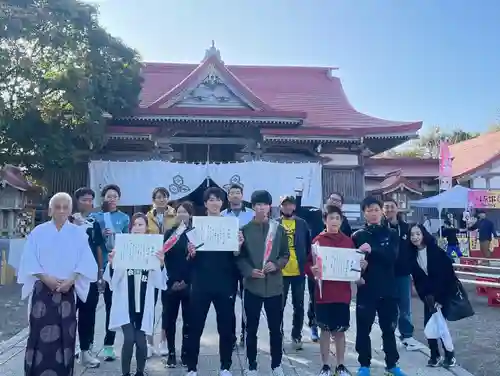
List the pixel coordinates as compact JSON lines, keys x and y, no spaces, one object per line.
{"x":437,"y":328}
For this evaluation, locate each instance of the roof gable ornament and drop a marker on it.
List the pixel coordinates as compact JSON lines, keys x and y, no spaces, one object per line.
{"x":213,"y":51}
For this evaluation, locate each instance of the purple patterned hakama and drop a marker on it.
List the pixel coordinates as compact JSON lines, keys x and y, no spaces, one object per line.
{"x":50,"y":350}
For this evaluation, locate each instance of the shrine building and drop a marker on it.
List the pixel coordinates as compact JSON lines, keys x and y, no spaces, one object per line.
{"x":260,"y":126}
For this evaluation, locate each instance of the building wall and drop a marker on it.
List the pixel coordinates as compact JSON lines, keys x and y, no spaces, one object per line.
{"x":479,"y":182}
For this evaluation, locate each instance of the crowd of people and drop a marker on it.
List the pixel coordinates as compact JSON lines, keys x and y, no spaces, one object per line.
{"x":60,"y":261}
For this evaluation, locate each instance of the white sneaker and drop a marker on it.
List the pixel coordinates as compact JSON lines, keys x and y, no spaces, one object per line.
{"x":88,"y":360}
{"x":251,"y":372}
{"x":151,"y":351}
{"x":278,"y":371}
{"x":163,"y":348}
{"x":225,"y":372}
{"x":411,"y":344}
{"x":192,"y":373}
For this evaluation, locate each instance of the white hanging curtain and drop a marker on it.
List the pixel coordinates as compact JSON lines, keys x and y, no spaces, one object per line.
{"x":277,"y":178}
{"x":138,"y":179}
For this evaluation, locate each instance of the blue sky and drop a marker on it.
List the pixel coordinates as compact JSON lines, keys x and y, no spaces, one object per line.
{"x":431,"y":60}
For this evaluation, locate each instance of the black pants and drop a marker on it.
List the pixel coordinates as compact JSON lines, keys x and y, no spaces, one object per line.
{"x":311,"y":310}
{"x":239,"y":293}
{"x":131,"y":337}
{"x":433,"y":343}
{"x":297,"y":285}
{"x":86,"y":317}
{"x":387,"y":311}
{"x":272,"y":307}
{"x":200,"y":302}
{"x":109,"y":338}
{"x":171,"y":301}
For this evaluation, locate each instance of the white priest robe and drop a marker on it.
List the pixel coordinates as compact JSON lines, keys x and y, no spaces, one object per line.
{"x":119,"y":285}
{"x":60,"y":254}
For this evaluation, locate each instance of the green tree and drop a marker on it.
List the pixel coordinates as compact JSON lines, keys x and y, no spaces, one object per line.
{"x":60,"y":74}
{"x":427,"y":145}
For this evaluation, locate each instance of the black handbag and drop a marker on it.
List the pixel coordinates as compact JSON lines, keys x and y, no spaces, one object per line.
{"x":458,"y":307}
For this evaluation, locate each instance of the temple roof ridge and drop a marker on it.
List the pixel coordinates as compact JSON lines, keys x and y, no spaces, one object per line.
{"x":213,"y":51}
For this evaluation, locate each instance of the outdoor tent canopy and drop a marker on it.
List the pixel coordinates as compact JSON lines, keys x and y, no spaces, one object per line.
{"x":455,"y":198}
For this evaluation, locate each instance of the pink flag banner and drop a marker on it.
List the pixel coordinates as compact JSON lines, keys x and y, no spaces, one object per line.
{"x":445,"y":166}
{"x":484,"y":199}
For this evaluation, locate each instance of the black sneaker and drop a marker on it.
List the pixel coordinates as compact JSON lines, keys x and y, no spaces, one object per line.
{"x":449,"y":362}
{"x":326,"y":371}
{"x":171,"y":361}
{"x":434,"y":361}
{"x":341,"y":370}
{"x":297,"y":343}
{"x":139,"y":373}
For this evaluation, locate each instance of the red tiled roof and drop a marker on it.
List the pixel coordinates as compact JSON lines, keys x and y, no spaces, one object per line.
{"x":409,"y":167}
{"x":293,"y":90}
{"x":14,"y":177}
{"x":472,"y":155}
{"x":394,"y":181}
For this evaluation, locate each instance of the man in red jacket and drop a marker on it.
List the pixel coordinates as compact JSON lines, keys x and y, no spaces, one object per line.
{"x":332,"y":304}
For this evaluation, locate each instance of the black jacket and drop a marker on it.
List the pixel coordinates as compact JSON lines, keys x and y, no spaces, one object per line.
{"x":179,"y":267}
{"x":379,"y":276}
{"x":440,"y":282}
{"x":214,"y":272}
{"x":314,"y":218}
{"x":404,"y":260}
{"x":94,"y":233}
{"x":302,"y":242}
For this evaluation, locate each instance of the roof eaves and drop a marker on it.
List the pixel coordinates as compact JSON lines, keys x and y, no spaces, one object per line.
{"x":246,"y":92}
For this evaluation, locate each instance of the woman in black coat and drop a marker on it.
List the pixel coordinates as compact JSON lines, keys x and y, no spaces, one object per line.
{"x":435,"y":282}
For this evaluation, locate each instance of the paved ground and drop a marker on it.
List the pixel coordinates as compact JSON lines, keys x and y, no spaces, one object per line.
{"x":301,"y":363}
{"x":476,"y":339}
{"x":13,"y":312}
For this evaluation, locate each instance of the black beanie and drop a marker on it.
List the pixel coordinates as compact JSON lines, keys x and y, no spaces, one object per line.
{"x":261,"y":197}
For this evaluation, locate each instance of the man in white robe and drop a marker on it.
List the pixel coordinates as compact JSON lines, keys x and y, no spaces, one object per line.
{"x":56,"y":266}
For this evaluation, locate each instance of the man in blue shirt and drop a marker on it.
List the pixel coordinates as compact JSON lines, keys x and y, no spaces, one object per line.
{"x":120,"y":222}
{"x":244,"y":215}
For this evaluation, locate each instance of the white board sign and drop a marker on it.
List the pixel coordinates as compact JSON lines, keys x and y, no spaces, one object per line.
{"x":137,"y":251}
{"x":216,"y":233}
{"x":340,"y":264}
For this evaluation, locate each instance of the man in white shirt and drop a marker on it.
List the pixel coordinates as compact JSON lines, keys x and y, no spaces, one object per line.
{"x":57,"y":265}
{"x":244,"y":215}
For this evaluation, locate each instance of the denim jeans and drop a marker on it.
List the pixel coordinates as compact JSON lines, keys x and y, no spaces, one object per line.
{"x":405,"y":325}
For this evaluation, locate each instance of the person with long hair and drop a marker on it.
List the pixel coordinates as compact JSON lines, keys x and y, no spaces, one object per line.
{"x":135,"y":322}
{"x":178,"y":266}
{"x":435,"y":282}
